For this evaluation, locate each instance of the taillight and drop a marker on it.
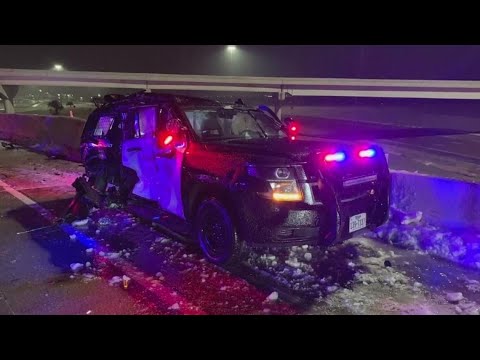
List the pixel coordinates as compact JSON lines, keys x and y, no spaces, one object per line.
{"x":164,"y":140}
{"x":368,"y":153}
{"x":338,"y":156}
{"x":292,"y":130}
{"x":168,"y":140}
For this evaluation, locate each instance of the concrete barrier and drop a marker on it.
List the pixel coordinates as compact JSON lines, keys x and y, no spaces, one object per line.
{"x":54,"y":135}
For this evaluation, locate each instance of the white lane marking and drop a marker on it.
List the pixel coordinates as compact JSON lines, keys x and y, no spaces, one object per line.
{"x":27,"y":201}
{"x":165,"y":294}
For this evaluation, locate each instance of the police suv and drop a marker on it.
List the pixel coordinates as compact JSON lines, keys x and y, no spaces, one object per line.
{"x":226,"y":176}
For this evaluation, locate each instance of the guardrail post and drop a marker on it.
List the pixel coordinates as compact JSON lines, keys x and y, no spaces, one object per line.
{"x":279,"y":102}
{"x":9,"y":108}
{"x":147,"y":88}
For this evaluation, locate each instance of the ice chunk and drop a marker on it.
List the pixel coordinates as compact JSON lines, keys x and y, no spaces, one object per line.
{"x":76,"y":267}
{"x":293,"y":263}
{"x":331,"y":289}
{"x":97,"y":231}
{"x":273,"y":296}
{"x":115,"y":280}
{"x":307,"y":256}
{"x":80,"y":223}
{"x":454,"y":297}
{"x":89,"y":251}
{"x":73,"y":237}
{"x":174,"y":307}
{"x":413,"y":219}
{"x":88,"y":264}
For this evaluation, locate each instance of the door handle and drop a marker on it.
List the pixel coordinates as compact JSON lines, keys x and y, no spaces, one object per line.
{"x":134,"y":149}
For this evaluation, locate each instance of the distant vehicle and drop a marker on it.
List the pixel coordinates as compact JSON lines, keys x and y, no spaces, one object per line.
{"x":229,"y":175}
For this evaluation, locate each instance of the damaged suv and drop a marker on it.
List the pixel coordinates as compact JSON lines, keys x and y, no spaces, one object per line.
{"x":226,"y":176}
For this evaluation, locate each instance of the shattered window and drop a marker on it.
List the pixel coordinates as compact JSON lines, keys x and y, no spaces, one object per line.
{"x":104,"y":124}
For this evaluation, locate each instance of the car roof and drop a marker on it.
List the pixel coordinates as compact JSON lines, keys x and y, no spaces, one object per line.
{"x":112,"y":101}
{"x":146,"y":98}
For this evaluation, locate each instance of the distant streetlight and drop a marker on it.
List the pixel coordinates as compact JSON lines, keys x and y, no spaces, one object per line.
{"x":232,"y":53}
{"x":57,"y":67}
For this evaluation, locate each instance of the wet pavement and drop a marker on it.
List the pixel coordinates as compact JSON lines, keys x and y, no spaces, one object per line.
{"x":117,"y":263}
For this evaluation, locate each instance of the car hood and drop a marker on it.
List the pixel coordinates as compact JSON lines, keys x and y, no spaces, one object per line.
{"x":282,"y":148}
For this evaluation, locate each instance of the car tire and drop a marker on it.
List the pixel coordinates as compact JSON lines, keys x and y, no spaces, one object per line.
{"x":216,"y":234}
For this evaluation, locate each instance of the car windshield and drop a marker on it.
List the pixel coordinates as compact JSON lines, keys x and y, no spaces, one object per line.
{"x":227,"y":123}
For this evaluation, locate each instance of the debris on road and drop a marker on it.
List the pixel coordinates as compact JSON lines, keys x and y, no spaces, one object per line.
{"x":174,"y":307}
{"x":80,"y":223}
{"x":126,"y":281}
{"x":454,"y":297}
{"x":115,"y":281}
{"x":76,"y":267}
{"x":273,"y":296}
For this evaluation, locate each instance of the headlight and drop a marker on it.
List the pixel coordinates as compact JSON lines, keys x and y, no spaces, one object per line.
{"x":281,"y":182}
{"x":286,"y":191}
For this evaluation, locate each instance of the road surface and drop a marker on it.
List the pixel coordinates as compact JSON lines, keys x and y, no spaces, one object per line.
{"x":81,"y":270}
{"x":445,"y":149}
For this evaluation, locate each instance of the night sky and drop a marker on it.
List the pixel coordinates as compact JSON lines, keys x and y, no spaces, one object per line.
{"x":349,"y":61}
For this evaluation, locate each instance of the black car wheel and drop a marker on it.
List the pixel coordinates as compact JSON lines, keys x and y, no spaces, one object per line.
{"x":216,"y":233}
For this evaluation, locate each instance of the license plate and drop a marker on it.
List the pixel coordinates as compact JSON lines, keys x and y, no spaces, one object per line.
{"x":357,"y":222}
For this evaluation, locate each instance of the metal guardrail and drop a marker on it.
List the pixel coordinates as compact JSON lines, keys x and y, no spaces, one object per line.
{"x":433,"y":89}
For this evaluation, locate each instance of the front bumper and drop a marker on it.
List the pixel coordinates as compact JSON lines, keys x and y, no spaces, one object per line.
{"x":265,"y":223}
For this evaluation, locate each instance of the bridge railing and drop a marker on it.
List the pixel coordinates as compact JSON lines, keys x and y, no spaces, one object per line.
{"x":422,"y":89}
